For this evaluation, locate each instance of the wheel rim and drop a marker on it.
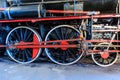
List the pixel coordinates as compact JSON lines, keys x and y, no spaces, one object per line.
{"x":63,"y":56}
{"x":19,"y":35}
{"x":104,"y":59}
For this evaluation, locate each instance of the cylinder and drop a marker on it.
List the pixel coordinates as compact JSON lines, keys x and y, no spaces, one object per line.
{"x":27,"y":11}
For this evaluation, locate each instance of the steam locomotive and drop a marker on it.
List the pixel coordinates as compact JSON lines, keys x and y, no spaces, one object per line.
{"x":65,"y":30}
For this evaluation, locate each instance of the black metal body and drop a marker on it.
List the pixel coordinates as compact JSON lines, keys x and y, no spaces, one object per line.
{"x":24,"y":11}
{"x":105,"y":6}
{"x":25,"y":8}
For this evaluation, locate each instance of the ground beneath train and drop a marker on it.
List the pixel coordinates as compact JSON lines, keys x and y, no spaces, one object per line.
{"x":10,"y":70}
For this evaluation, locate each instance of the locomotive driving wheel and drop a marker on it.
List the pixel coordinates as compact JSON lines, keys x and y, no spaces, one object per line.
{"x":63,"y":56}
{"x":104,"y":58}
{"x":20,"y":35}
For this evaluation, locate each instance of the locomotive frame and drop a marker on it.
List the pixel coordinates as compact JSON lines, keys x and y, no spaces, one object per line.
{"x":64,"y":44}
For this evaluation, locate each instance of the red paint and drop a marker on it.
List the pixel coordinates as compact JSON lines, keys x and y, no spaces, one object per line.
{"x":60,"y":18}
{"x":104,"y":55}
{"x":51,"y":41}
{"x":35,"y":50}
{"x":21,"y":43}
{"x":64,"y":43}
{"x":2,"y":46}
{"x":69,"y":12}
{"x":47,"y":46}
{"x":96,"y":51}
{"x":36,"y":44}
{"x":2,"y":9}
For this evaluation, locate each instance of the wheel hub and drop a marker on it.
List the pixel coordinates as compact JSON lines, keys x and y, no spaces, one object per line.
{"x":64,"y":43}
{"x":104,"y":55}
{"x":22,"y":43}
{"x":35,"y":50}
